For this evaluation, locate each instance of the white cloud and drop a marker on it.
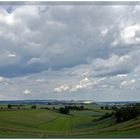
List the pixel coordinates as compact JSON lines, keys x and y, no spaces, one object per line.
{"x":5,"y":17}
{"x":113,"y":61}
{"x":62,"y":88}
{"x":1,"y":78}
{"x":129,"y":34}
{"x":27,"y":92}
{"x":104,"y":32}
{"x":40,"y":80}
{"x":128,"y":83}
{"x":9,"y":54}
{"x":121,"y":76}
{"x":114,"y":65}
{"x":84,"y":83}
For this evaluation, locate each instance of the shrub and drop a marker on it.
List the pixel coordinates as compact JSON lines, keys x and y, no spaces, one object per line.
{"x":33,"y":107}
{"x":102,"y":107}
{"x":64,"y":110}
{"x":107,"y":115}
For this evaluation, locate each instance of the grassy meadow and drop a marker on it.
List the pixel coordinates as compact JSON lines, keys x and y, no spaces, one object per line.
{"x":26,"y":122}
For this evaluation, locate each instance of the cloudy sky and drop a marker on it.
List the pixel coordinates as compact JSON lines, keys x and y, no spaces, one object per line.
{"x":89,"y":52}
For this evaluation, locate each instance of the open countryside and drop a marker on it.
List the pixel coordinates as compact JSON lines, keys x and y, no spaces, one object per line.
{"x":92,"y":120}
{"x":69,"y":69}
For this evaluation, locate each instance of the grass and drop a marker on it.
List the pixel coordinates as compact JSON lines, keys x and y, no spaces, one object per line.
{"x":58,"y":124}
{"x":42,"y":123}
{"x":114,"y":134}
{"x":25,"y":118}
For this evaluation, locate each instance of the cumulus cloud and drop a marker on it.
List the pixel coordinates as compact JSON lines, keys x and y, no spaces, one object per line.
{"x":83,"y":84}
{"x":128,"y":83}
{"x":104,"y":32}
{"x":59,"y":49}
{"x":1,"y":78}
{"x":128,"y":35}
{"x":40,"y":80}
{"x":27,"y":92}
{"x":62,"y":88}
{"x":11,"y":55}
{"x":53,"y":44}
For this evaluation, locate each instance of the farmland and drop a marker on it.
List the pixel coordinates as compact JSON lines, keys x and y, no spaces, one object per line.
{"x":26,"y":122}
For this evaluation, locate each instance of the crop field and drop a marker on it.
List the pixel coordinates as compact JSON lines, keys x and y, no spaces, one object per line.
{"x":50,"y":123}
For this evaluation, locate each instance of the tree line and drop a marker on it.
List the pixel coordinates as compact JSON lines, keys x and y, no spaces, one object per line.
{"x":124,"y":113}
{"x":63,"y":110}
{"x":66,"y":109}
{"x":128,"y":112}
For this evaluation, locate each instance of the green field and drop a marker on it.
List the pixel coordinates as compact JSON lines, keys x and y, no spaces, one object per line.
{"x":43,"y":123}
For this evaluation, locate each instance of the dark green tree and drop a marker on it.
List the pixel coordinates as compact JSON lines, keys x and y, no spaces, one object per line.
{"x":64,"y":110}
{"x":9,"y":106}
